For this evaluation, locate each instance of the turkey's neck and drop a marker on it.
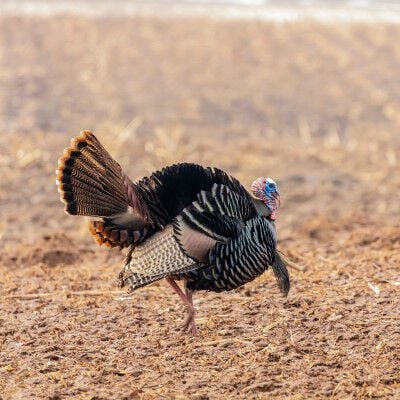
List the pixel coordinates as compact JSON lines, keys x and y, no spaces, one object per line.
{"x":261,"y":208}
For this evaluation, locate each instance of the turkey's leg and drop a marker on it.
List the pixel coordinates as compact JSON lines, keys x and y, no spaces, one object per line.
{"x":190,"y":323}
{"x":187,"y":298}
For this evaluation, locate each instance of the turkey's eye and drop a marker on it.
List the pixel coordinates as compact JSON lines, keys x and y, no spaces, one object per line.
{"x":271,"y":186}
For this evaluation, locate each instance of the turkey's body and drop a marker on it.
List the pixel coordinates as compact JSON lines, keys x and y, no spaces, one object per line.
{"x":183,"y":222}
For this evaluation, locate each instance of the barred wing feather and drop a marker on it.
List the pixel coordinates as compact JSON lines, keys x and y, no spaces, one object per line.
{"x":239,"y":260}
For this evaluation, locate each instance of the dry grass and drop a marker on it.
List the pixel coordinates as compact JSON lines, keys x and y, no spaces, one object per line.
{"x":313,"y":106}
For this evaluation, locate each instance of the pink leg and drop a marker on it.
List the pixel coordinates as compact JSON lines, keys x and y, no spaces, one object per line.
{"x":187,"y":298}
{"x":190,"y":323}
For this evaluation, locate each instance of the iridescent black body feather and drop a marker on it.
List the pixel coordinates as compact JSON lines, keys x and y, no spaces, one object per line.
{"x":167,"y":192}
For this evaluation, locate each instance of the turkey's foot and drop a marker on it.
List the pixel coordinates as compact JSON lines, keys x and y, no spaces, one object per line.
{"x":189,"y":325}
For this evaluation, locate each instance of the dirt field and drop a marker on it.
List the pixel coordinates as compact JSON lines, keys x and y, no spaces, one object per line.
{"x":314,"y":106}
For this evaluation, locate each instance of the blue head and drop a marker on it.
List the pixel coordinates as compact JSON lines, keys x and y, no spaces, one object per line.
{"x":266,"y":190}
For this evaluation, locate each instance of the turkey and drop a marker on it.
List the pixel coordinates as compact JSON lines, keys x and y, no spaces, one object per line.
{"x":185,"y":222}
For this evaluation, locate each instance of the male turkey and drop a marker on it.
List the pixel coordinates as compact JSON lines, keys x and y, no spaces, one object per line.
{"x":183,"y":222}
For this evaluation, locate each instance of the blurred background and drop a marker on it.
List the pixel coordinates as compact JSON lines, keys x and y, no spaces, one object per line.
{"x":307,"y":92}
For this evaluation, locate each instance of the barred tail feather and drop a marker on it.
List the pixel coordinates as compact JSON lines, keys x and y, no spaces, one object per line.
{"x":89,"y":180}
{"x":109,"y":235}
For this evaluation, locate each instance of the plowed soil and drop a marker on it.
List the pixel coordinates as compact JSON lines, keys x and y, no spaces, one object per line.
{"x":313,"y":106}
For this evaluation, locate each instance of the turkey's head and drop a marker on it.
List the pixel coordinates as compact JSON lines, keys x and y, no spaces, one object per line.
{"x":266,"y":189}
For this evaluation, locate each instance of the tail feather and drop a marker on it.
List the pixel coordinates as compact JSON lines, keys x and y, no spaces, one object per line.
{"x":89,"y":180}
{"x":110,"y":235}
{"x":281,"y":274}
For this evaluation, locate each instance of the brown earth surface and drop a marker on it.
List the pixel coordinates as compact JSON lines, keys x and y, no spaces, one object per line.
{"x":314,"y":106}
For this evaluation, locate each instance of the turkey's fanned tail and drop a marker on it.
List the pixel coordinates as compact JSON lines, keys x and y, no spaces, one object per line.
{"x":92,"y":183}
{"x":89,"y":180}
